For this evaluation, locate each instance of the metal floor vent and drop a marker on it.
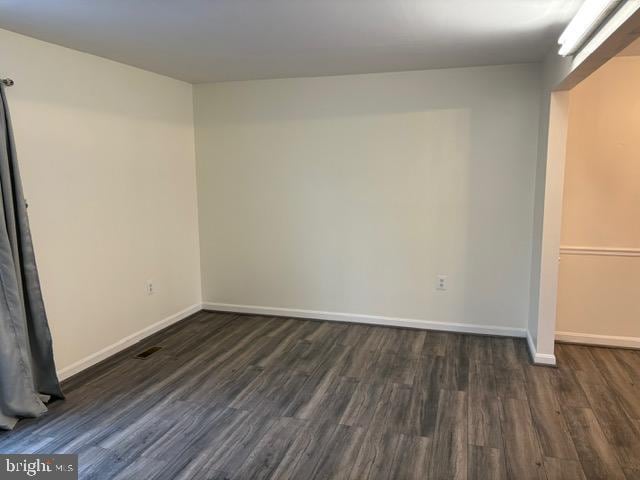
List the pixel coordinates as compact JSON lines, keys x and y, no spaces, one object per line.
{"x":148,"y":352}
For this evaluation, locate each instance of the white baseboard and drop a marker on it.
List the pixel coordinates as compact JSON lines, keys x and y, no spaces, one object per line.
{"x":114,"y":348}
{"x":368,"y":319}
{"x":540,"y":358}
{"x":602,"y":340}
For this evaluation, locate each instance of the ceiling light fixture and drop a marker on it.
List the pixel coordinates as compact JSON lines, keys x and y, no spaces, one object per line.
{"x":589,"y":17}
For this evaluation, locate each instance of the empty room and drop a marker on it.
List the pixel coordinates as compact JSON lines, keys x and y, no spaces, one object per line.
{"x":320,"y":239}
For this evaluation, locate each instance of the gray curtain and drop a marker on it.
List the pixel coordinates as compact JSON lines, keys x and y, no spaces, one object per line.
{"x":27,"y":371}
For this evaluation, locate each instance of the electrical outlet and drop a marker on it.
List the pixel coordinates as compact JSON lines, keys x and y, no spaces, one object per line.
{"x":442,"y":282}
{"x":149,"y":287}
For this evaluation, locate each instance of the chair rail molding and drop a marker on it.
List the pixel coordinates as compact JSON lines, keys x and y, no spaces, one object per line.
{"x":599,"y":251}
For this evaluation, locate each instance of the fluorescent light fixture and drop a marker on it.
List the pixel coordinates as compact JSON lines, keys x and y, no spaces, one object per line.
{"x":586,"y":21}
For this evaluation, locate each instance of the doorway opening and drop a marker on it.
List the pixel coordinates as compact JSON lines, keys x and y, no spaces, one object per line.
{"x":599,"y":274}
{"x":613,"y":44}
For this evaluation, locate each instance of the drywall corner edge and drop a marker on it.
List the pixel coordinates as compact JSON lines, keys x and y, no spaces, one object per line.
{"x":543,"y":344}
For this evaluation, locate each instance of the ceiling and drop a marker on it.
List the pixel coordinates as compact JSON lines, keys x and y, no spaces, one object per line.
{"x":216,"y":40}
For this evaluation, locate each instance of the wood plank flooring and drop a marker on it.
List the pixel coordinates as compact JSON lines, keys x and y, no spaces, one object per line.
{"x":247,"y":397}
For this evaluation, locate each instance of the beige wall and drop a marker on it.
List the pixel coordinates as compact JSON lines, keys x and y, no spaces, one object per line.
{"x":107,"y":158}
{"x":350,"y":194}
{"x":598,"y":294}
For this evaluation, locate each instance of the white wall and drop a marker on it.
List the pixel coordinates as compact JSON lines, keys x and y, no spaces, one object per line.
{"x":350,"y":194}
{"x":598,"y":294}
{"x":107,"y":158}
{"x":548,"y":187}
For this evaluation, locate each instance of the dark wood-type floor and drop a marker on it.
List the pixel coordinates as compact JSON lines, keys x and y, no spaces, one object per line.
{"x":247,"y":397}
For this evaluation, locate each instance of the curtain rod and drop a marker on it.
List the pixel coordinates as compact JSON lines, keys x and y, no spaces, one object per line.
{"x":7,"y":82}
